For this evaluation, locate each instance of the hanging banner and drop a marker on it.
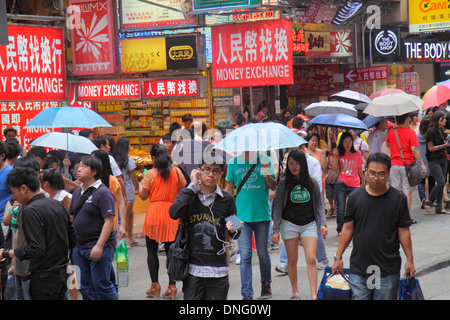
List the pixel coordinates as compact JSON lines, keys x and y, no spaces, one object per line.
{"x":409,"y":82}
{"x":92,"y":35}
{"x":252,"y":54}
{"x":32,"y":65}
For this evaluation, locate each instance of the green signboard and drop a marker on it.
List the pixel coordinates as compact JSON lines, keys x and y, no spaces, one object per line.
{"x":207,"y":5}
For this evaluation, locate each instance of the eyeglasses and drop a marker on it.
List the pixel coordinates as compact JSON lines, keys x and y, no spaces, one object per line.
{"x":380,"y":175}
{"x":208,"y":171}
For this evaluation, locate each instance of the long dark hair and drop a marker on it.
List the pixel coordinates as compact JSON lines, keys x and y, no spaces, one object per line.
{"x":341,"y":148}
{"x":162,"y":161}
{"x":438,"y":115}
{"x":425,"y":125}
{"x":106,"y":172}
{"x":305,"y":179}
{"x":121,"y":152}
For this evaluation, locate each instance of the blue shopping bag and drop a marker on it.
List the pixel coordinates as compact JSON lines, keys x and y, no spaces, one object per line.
{"x":410,"y":289}
{"x":334,"y":286}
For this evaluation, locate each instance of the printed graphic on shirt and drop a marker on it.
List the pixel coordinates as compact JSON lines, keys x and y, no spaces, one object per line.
{"x":300,"y":196}
{"x":348,"y":167}
{"x":204,"y":232}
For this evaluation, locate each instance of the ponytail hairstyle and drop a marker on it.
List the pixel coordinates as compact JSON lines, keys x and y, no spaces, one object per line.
{"x":106,"y":172}
{"x":53,"y":177}
{"x":162,"y":160}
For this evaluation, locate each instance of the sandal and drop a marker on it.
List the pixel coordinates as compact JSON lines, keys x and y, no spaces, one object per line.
{"x":427,"y":206}
{"x":442,"y":212}
{"x":331,"y":213}
{"x":295,"y":298}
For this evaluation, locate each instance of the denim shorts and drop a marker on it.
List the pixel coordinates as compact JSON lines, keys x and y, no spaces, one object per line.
{"x":289,"y":230}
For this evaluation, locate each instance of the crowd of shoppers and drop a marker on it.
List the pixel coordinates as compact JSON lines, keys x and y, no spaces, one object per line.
{"x":59,"y":209}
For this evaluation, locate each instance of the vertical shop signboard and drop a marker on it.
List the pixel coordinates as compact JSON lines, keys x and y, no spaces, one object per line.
{"x":409,"y":82}
{"x":252,"y":54}
{"x":32,"y":65}
{"x":93,"y":44}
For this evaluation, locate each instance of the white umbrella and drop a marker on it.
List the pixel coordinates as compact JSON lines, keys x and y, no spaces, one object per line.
{"x":351,"y":96}
{"x":326,"y":107}
{"x":65,"y":141}
{"x":394,"y":104}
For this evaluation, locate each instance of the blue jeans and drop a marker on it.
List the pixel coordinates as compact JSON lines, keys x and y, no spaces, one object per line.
{"x":95,"y":282}
{"x":261,"y":230}
{"x":321,"y":254}
{"x":388,"y":288}
{"x":341,"y":191}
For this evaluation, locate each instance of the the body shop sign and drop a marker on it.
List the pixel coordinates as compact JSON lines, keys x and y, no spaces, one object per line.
{"x":32,"y":65}
{"x":252,"y":54}
{"x":114,"y":90}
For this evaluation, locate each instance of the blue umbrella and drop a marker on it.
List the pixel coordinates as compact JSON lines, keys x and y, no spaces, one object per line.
{"x":66,"y":117}
{"x":338,"y":120}
{"x":65,"y":141}
{"x":370,"y":120}
{"x":260,"y":137}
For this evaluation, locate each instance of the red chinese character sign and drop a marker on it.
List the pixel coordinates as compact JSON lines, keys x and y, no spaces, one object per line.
{"x":409,"y":82}
{"x":32,"y":65}
{"x":92,"y":35}
{"x":170,"y":88}
{"x":252,"y":54}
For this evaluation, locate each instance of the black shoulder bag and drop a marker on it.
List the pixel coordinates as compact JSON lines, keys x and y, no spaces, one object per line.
{"x":247,"y":175}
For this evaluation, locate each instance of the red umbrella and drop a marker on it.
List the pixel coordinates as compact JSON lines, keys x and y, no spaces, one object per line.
{"x":436,"y":96}
{"x":384,"y":91}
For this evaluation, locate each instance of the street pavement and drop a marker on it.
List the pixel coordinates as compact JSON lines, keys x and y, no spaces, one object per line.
{"x":431,"y":249}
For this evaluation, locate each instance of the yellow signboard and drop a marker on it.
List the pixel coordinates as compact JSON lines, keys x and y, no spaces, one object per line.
{"x":143,"y":55}
{"x":429,"y":15}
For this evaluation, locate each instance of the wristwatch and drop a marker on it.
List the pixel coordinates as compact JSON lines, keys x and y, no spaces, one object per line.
{"x":5,"y":254}
{"x":337,"y":258}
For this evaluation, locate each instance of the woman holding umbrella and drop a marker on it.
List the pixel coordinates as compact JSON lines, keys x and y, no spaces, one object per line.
{"x":349,"y":164}
{"x":437,"y":159}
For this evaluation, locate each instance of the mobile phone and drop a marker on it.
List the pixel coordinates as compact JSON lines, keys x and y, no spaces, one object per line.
{"x":237,"y":224}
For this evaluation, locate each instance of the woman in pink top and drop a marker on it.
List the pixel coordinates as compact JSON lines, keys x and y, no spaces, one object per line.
{"x":349,"y":163}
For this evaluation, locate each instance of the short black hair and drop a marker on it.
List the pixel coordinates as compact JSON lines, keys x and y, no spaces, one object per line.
{"x":99,"y":141}
{"x":379,"y":157}
{"x":85,"y":132}
{"x":38,"y":151}
{"x":187,"y":117}
{"x":221,"y":165}
{"x":12,"y":148}
{"x":169,"y":137}
{"x":28,"y":162}
{"x":402,"y":118}
{"x":297,"y":123}
{"x":93,"y":163}
{"x":23,"y":176}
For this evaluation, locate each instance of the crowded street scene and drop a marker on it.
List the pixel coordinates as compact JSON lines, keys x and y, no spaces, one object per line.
{"x":248,"y":151}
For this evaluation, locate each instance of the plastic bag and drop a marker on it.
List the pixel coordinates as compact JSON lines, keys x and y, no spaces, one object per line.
{"x":410,"y":289}
{"x":334,"y":286}
{"x":122,"y":263}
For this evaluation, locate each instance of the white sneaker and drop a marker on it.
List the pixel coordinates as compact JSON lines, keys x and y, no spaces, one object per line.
{"x":322,"y":264}
{"x":282,"y":268}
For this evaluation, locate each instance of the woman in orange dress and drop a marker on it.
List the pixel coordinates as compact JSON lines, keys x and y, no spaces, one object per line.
{"x":161,"y":186}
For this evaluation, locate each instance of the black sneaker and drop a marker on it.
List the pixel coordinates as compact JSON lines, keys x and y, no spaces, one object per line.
{"x":247,"y":298}
{"x":266,"y":292}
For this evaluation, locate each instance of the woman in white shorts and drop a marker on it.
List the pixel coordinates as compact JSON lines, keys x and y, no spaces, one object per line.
{"x":298,"y":210}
